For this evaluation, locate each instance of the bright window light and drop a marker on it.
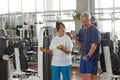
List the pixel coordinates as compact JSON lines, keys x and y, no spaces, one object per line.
{"x":106,"y":26}
{"x":112,"y":8}
{"x":117,"y":3}
{"x":70,"y":26}
{"x":39,"y":5}
{"x":3,"y":6}
{"x":68,"y":4}
{"x":28,"y":5}
{"x":60,"y":4}
{"x":15,"y":6}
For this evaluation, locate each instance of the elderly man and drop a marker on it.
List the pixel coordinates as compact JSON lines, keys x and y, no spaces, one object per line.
{"x":88,"y":40}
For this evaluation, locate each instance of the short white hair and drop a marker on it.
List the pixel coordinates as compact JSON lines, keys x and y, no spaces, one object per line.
{"x":85,"y":14}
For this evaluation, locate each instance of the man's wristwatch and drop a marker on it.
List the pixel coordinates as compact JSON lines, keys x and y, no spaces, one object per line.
{"x":88,"y":56}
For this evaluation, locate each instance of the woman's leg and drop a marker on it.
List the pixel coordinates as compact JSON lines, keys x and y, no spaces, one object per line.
{"x":55,"y":73}
{"x":66,"y":72}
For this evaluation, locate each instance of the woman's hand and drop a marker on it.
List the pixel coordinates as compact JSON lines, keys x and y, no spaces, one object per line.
{"x":60,"y":47}
{"x":43,"y":49}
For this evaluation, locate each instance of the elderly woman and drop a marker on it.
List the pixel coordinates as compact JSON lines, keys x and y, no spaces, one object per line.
{"x":60,"y":47}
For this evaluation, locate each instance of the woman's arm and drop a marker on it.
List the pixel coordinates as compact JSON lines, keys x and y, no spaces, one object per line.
{"x":49,"y":51}
{"x":67,"y":48}
{"x":65,"y":51}
{"x":45,"y":50}
{"x":62,"y":48}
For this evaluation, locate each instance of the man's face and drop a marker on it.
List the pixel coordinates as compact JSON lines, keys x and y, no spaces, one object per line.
{"x":85,"y":22}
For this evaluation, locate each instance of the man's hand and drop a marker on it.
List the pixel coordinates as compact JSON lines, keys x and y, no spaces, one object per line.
{"x":85,"y":58}
{"x":73,"y":33}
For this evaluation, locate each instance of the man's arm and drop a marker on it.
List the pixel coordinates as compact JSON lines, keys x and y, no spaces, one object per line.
{"x":92,"y":49}
{"x":77,"y":42}
{"x":91,"y":52}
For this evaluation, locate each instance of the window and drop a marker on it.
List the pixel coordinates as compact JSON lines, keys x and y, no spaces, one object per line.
{"x":117,"y":3}
{"x":39,"y":5}
{"x":56,"y":4}
{"x":54,"y":10}
{"x":60,"y":5}
{"x":108,"y":5}
{"x":68,"y":4}
{"x":3,"y":6}
{"x":109,"y":15}
{"x":106,"y":26}
{"x":117,"y":26}
{"x":28,"y":5}
{"x":60,"y":10}
{"x":69,"y":26}
{"x":14,"y":6}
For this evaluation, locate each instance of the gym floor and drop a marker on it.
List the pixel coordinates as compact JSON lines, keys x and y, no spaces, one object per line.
{"x":75,"y":75}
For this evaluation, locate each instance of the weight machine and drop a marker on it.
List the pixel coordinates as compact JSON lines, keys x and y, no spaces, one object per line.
{"x":44,"y":60}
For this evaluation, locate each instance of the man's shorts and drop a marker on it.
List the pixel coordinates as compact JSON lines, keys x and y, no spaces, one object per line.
{"x":89,"y":67}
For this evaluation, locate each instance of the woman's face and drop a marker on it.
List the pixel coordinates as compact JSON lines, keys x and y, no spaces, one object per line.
{"x":61,"y":30}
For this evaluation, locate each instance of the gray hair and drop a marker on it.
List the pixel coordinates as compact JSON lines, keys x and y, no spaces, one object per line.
{"x":85,"y":14}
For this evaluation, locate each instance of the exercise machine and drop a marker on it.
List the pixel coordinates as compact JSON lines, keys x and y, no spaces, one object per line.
{"x":109,"y":60}
{"x":44,"y":60}
{"x":3,"y":63}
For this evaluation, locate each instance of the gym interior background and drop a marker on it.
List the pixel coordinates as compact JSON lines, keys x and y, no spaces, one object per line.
{"x":20,"y":21}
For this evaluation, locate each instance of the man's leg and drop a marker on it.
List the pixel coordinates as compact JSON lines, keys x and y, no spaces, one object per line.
{"x":84,"y":76}
{"x":83,"y":69}
{"x":90,"y":77}
{"x":92,"y":67}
